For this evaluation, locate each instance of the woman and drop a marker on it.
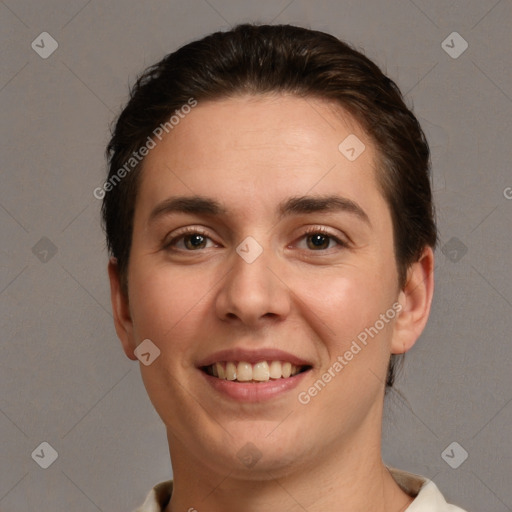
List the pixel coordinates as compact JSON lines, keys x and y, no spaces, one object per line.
{"x":269,"y":217}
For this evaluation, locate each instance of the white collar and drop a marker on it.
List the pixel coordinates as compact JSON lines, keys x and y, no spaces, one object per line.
{"x":427,"y":497}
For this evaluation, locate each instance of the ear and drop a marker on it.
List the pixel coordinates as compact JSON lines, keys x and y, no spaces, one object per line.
{"x":121,"y":310}
{"x":415,"y":299}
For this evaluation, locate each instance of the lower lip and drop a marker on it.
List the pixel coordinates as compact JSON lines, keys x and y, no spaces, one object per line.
{"x":254,"y":391}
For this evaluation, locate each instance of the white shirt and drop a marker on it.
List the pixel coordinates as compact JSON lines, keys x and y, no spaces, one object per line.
{"x":427,"y":497}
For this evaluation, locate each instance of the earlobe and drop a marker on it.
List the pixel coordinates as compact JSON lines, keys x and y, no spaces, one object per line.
{"x":415,"y":299}
{"x":120,"y":308}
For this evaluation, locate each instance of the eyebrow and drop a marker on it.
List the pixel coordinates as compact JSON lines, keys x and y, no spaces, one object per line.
{"x":292,"y":206}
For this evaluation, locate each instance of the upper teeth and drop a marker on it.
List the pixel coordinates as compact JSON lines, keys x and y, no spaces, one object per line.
{"x":244,"y":372}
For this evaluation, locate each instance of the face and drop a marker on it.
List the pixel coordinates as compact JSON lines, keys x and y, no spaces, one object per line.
{"x":258,"y":245}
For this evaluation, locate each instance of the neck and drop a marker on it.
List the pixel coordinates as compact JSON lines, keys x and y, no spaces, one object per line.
{"x":349,"y":477}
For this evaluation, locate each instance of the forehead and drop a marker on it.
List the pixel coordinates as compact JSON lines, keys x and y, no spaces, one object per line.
{"x":267,"y":145}
{"x":272,"y":122}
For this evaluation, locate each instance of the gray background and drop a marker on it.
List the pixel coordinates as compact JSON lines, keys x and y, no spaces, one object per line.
{"x":64,"y":378}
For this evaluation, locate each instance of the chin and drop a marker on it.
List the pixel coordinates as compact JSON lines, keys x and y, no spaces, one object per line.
{"x":260,"y":456}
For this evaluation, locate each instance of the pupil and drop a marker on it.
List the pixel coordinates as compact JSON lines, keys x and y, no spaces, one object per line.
{"x":196,"y":240}
{"x":319,"y":240}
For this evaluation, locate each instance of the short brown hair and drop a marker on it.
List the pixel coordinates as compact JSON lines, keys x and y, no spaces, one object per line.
{"x":257,"y":59}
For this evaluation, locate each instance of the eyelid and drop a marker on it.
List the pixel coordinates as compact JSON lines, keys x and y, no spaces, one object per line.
{"x":342,"y":241}
{"x":174,"y":237}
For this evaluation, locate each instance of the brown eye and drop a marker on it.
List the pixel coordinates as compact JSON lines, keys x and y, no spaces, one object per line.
{"x":318,"y":241}
{"x":195,"y":241}
{"x":188,"y":241}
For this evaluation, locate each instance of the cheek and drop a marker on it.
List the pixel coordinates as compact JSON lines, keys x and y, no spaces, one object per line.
{"x":168,"y":307}
{"x":165,"y":301}
{"x":355,"y":354}
{"x":344,"y":302}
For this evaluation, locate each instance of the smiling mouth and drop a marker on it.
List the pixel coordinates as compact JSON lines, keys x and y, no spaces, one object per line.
{"x":263,"y":371}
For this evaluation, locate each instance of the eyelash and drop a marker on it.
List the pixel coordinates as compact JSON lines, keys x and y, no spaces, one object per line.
{"x":197,"y":231}
{"x":324,"y":232}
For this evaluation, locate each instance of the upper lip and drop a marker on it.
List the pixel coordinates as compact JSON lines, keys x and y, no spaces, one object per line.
{"x":252,"y":356}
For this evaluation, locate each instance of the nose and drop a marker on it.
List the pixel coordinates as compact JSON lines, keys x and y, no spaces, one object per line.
{"x":253,"y":291}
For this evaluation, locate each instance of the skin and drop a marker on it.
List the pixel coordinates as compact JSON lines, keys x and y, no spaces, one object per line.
{"x":250,"y":154}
